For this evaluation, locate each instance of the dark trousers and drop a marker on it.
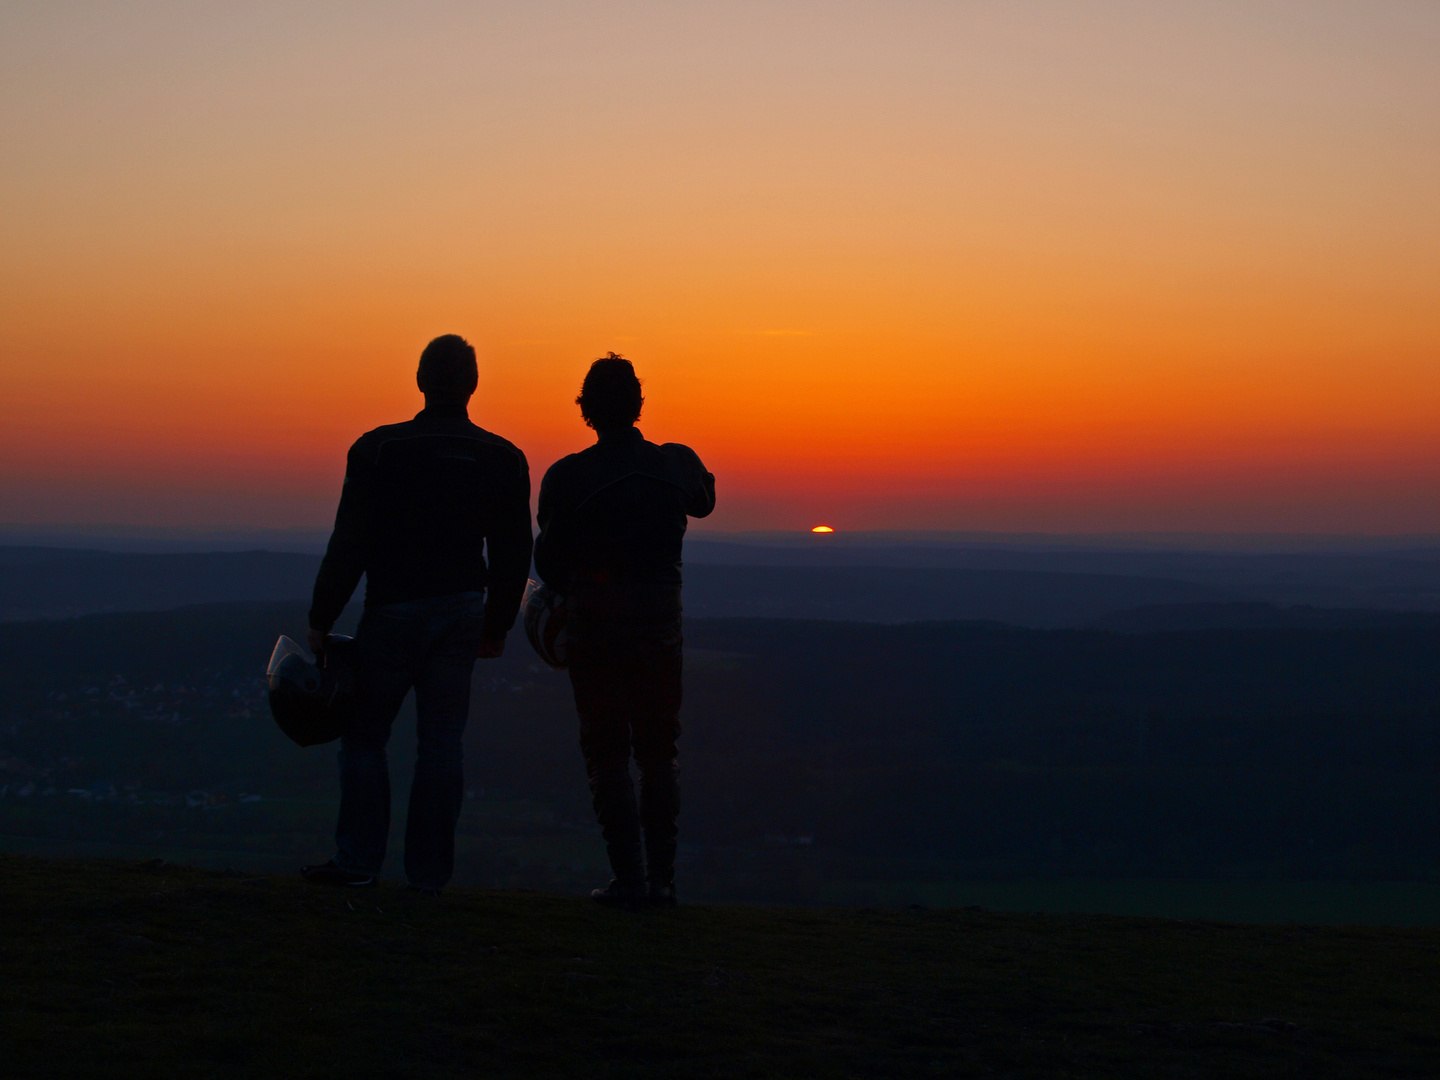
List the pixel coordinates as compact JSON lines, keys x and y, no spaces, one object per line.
{"x":626,"y":675}
{"x":429,"y":645}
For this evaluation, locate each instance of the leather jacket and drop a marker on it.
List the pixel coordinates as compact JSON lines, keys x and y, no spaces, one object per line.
{"x":424,"y":503}
{"x":616,"y":512}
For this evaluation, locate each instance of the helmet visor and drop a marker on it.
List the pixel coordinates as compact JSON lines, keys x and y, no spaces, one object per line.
{"x":285,"y":648}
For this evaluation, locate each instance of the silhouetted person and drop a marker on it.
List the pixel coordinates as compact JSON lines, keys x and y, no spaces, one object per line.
{"x":612,"y":522}
{"x":424,"y":503}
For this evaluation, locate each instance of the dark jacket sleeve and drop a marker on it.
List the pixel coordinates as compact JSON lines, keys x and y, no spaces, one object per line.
{"x":552,"y":557}
{"x":508,"y":547}
{"x":697,"y":482}
{"x":345,"y":556}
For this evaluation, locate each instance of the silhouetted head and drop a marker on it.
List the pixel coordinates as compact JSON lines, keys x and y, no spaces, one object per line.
{"x":610,"y":395}
{"x":447,"y":370}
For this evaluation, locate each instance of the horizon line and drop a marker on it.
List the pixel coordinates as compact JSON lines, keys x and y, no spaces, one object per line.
{"x":176,"y":538}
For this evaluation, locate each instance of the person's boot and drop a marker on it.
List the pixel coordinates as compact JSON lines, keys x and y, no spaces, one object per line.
{"x":660,"y":860}
{"x":627,"y":888}
{"x":622,"y":894}
{"x":659,"y":806}
{"x":619,"y":818}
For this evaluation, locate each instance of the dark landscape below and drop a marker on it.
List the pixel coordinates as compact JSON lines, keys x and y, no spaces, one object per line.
{"x":1268,"y":773}
{"x":142,"y":969}
{"x":889,"y":773}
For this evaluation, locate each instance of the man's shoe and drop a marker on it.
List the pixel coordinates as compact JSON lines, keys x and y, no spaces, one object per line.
{"x":663,"y":895}
{"x":330,"y":874}
{"x":620,"y":895}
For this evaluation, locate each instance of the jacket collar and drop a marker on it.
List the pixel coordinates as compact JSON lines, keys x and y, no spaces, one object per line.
{"x":620,"y":436}
{"x":444,"y":411}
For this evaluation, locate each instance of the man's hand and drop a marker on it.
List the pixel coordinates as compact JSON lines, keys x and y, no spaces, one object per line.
{"x":491,"y":647}
{"x":316,"y":640}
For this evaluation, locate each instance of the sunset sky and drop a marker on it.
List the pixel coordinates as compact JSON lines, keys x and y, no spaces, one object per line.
{"x":993,"y":266}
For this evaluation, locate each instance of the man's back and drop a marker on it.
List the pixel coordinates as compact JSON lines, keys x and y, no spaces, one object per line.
{"x":618,"y":509}
{"x":424,"y":501}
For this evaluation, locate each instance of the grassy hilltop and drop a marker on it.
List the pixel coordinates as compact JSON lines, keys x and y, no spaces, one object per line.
{"x":123,"y":969}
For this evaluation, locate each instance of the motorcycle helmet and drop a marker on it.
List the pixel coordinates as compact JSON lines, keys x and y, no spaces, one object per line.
{"x":312,"y":703}
{"x":546,"y":617}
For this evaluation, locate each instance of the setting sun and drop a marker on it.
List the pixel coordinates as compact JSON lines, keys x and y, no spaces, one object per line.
{"x":822,"y":529}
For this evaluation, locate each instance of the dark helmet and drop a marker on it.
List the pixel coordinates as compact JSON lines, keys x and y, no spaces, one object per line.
{"x":312,"y":704}
{"x":546,"y":616}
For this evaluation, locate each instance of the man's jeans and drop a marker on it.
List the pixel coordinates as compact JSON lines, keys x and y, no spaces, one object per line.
{"x":430,"y":645}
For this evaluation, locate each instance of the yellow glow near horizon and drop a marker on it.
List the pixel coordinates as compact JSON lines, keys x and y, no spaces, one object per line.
{"x":822,"y":529}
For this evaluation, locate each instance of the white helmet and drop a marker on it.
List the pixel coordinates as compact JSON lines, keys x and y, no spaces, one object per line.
{"x":546,"y":616}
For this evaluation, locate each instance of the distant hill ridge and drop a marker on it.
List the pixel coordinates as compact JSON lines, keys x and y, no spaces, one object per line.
{"x":54,"y":583}
{"x":1391,"y":579}
{"x":901,"y":594}
{"x":1259,"y":616}
{"x":1021,"y":588}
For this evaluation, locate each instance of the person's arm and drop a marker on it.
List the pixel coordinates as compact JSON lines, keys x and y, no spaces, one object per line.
{"x":508,"y":547}
{"x":698,"y":483}
{"x":552,"y":561}
{"x":345,"y":556}
{"x":703,"y":500}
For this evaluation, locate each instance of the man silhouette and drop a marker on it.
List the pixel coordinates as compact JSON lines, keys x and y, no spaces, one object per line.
{"x":424,"y":503}
{"x":612,"y":524}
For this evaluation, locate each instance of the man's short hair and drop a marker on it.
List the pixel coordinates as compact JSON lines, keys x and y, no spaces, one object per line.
{"x":610,"y":395}
{"x":447,"y":367}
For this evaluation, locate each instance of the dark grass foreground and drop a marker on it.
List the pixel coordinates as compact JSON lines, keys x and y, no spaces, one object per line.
{"x":119,"y":970}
